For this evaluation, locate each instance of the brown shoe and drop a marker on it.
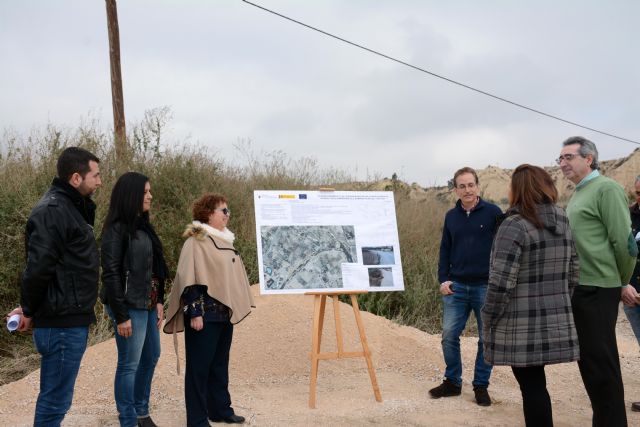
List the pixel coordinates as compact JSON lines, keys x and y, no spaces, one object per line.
{"x":635,"y":406}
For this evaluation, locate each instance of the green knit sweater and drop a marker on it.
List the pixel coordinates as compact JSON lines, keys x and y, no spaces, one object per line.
{"x":601,"y":226}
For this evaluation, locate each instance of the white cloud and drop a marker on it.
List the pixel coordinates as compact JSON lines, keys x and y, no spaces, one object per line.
{"x":228,"y":71}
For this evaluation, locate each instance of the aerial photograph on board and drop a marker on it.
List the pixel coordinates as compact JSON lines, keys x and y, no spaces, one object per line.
{"x":306,"y":257}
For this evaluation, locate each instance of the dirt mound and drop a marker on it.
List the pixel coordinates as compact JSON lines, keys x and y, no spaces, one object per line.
{"x":270,"y":378}
{"x":494,"y":181}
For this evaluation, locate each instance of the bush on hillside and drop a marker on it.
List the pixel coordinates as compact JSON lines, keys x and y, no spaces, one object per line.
{"x":178,"y":175}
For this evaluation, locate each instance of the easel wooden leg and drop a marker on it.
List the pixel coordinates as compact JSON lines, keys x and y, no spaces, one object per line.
{"x":316,"y":339}
{"x":336,"y":317}
{"x":323,"y":305}
{"x":365,"y":348}
{"x":320,"y":300}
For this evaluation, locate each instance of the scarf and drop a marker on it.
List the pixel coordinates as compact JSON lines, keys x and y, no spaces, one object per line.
{"x":225,"y":234}
{"x":159,"y":267}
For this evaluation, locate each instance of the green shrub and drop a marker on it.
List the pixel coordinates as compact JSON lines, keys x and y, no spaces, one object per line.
{"x":179,"y":175}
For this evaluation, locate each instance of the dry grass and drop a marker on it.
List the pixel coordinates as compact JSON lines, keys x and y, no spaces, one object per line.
{"x":178,"y":176}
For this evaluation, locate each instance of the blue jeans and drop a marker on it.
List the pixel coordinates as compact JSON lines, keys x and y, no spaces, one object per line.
{"x":456,"y":310}
{"x":61,"y":350}
{"x":137,"y":359}
{"x":633,"y":314}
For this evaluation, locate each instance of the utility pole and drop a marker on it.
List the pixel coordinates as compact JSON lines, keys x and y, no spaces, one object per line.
{"x":117,"y":99}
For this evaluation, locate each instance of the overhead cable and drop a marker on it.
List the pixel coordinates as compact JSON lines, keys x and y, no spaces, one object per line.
{"x":499,"y":98}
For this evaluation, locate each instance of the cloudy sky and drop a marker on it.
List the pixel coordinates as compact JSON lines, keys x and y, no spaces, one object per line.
{"x":231,"y":72}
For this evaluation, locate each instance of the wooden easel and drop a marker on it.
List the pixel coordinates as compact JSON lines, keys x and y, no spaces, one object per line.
{"x":320,"y":300}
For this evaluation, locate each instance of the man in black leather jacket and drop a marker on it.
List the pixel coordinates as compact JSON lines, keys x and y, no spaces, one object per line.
{"x":60,"y":280}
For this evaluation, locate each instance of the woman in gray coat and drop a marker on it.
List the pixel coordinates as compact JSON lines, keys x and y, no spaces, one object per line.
{"x":527,"y":317}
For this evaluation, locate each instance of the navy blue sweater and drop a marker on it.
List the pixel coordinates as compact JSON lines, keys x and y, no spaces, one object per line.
{"x":466,"y":243}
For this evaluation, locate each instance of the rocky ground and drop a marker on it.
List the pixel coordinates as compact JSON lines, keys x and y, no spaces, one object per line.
{"x":270,"y":378}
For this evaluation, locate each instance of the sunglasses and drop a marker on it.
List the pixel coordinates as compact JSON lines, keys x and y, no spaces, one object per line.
{"x":225,"y":211}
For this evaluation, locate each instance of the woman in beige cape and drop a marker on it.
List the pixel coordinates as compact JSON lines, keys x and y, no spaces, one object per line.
{"x":210,"y":294}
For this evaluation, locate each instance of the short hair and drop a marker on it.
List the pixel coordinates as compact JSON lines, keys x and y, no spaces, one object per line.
{"x":531,"y":186}
{"x":586,"y":147}
{"x":462,"y":171}
{"x":74,"y":160}
{"x":205,"y":205}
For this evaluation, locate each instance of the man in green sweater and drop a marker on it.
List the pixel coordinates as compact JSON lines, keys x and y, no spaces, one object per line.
{"x":599,"y":218}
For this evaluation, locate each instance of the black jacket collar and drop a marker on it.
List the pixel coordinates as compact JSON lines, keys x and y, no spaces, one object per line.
{"x":85,"y":205}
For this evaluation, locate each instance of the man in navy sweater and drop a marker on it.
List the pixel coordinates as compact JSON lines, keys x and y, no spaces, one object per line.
{"x":463,"y":272}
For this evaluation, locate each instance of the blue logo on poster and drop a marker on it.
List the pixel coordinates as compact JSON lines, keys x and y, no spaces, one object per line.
{"x":302,"y":196}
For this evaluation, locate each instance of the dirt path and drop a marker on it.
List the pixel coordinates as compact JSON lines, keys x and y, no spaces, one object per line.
{"x":270,"y":379}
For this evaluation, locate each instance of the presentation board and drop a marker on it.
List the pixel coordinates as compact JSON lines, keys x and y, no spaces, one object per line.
{"x":314,"y":241}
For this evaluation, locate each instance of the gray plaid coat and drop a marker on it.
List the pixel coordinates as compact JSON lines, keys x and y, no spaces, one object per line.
{"x":527,"y":317}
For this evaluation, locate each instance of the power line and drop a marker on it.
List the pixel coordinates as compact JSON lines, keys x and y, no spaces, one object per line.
{"x":499,"y":98}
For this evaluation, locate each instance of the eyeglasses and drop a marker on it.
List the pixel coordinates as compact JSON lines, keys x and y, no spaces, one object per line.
{"x":566,"y":157}
{"x":224,"y":211}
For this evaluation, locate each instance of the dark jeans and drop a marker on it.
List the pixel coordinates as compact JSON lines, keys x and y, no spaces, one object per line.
{"x":61,"y":350}
{"x":595,"y":312}
{"x":633,"y":315}
{"x":536,"y":402}
{"x":456,"y":309}
{"x":206,"y":379}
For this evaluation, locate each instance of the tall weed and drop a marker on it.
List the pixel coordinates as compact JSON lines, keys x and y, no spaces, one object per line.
{"x":178,"y":175}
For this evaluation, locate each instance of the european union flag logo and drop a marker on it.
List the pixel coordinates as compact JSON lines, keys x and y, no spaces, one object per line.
{"x":302,"y":196}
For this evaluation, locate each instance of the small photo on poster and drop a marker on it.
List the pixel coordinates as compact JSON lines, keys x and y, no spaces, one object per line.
{"x":378,"y":255}
{"x":380,"y":277}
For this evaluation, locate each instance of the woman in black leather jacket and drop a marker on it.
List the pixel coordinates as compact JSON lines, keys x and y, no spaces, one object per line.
{"x":133,"y":275}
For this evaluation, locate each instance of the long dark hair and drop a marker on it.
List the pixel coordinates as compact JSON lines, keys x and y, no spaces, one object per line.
{"x":531,"y":186}
{"x":127,"y":197}
{"x":125,"y":207}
